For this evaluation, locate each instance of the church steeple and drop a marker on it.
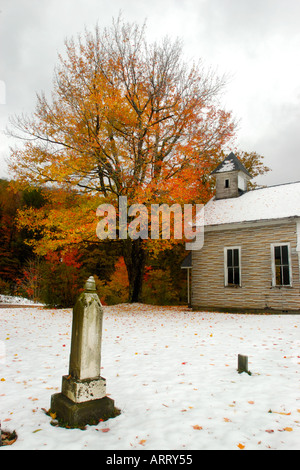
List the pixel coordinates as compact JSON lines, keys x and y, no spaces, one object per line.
{"x":231,"y":178}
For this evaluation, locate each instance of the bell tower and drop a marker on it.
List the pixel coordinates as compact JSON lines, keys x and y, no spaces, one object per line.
{"x":231,"y":178}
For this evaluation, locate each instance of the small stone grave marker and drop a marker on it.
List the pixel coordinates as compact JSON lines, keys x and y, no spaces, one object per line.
{"x":243,"y":364}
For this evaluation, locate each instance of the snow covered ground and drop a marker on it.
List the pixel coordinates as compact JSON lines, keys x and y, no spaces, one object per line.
{"x":172,"y":372}
{"x":8,"y":299}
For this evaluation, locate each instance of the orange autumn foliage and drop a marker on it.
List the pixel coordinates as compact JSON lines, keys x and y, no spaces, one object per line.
{"x":126,"y":118}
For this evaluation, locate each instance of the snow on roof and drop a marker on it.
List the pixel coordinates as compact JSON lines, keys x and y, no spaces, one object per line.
{"x":226,"y":166}
{"x":230,"y":163}
{"x":273,"y":202}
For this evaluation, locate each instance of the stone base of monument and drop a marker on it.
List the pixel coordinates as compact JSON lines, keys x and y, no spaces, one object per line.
{"x":89,"y":412}
{"x":83,"y":390}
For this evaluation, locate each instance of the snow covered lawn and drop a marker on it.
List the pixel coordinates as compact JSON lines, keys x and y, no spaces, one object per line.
{"x":8,"y":299}
{"x":172,"y":372}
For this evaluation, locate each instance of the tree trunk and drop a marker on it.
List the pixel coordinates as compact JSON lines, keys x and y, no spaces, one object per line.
{"x":134,"y":257}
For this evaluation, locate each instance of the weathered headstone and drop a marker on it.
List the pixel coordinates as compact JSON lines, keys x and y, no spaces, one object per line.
{"x":83,"y":397}
{"x":243,"y":364}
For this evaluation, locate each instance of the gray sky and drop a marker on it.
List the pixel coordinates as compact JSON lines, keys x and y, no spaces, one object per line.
{"x":257,"y":43}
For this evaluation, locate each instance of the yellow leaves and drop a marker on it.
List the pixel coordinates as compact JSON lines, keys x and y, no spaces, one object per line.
{"x":143,"y":442}
{"x":32,"y":399}
{"x":2,"y":380}
{"x":66,"y":218}
{"x":197,"y":427}
{"x":282,"y":412}
{"x":184,"y":409}
{"x":287,"y":428}
{"x":241,"y":446}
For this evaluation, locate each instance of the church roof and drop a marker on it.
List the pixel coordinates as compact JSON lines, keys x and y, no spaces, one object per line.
{"x":269,"y":203}
{"x":231,"y":163}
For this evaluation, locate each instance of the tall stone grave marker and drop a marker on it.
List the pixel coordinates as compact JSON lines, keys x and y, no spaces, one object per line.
{"x":83,"y":397}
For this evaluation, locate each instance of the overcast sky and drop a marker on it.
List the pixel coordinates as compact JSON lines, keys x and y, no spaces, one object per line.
{"x":256,"y":42}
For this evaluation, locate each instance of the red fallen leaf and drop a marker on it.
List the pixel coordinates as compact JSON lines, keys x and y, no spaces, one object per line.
{"x":269,"y":430}
{"x":105,"y":429}
{"x":184,"y":363}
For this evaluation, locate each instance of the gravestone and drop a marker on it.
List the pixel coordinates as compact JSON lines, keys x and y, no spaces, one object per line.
{"x":83,"y":397}
{"x":243,"y":364}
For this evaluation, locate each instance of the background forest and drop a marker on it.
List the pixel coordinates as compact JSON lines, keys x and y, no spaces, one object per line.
{"x":56,"y":278}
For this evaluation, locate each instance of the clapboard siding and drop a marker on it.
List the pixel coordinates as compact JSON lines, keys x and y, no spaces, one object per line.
{"x":256,"y":291}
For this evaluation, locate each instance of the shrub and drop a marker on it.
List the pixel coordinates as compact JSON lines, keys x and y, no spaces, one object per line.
{"x":158,"y":287}
{"x":62,"y":278}
{"x":114,"y":291}
{"x":5,"y":288}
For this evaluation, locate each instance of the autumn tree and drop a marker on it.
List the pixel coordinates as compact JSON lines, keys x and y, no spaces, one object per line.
{"x":13,"y":250}
{"x":125,"y":118}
